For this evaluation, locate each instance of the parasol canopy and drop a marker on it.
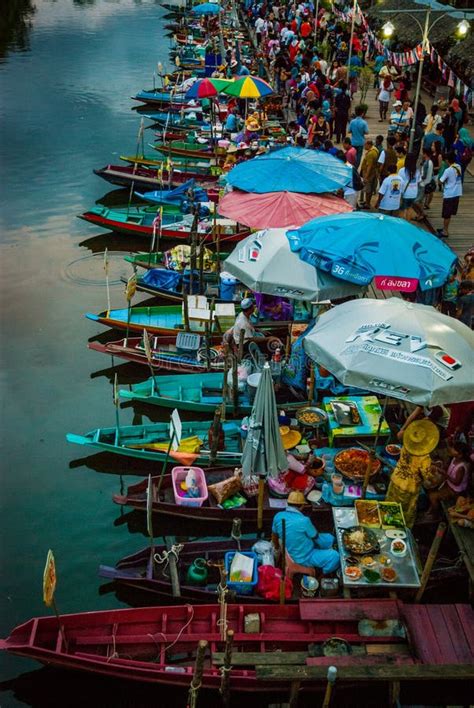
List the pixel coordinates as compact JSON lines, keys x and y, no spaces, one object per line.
{"x":249,"y":87}
{"x":397,"y":348}
{"x":263,"y":452}
{"x":291,"y":169}
{"x":207,"y":8}
{"x":206,"y":88}
{"x":278,"y":209}
{"x":360,"y":246}
{"x":265,"y":264}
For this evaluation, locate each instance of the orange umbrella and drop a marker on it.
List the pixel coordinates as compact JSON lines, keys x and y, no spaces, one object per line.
{"x":278,"y":209}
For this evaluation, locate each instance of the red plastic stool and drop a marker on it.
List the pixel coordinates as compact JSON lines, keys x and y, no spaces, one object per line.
{"x":292,"y":568}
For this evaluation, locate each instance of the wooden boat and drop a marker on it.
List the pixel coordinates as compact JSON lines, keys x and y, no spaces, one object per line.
{"x":192,"y":392}
{"x":151,"y":441}
{"x":178,"y":284}
{"x":158,"y":95}
{"x":210,"y":512}
{"x":141,"y":572}
{"x":188,"y":149}
{"x":158,"y":645}
{"x":165,"y":354}
{"x":200,"y":169}
{"x":156,"y":259}
{"x":146,"y":178}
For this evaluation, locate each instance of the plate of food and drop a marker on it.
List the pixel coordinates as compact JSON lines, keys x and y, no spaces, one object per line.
{"x":359,"y":540}
{"x":389,"y":575}
{"x":395,"y":533}
{"x":352,"y":463}
{"x":393,"y":450}
{"x":311,"y":417}
{"x":353,"y":572}
{"x":345,"y":412}
{"x":391,"y":515}
{"x":367,"y":513}
{"x":367,"y":561}
{"x":398,"y":547}
{"x":372,"y":576}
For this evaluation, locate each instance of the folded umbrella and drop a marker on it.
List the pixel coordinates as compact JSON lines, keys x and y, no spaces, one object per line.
{"x":265,"y":264}
{"x":396,"y":348}
{"x":291,"y":169}
{"x":278,"y":209}
{"x":358,"y":247}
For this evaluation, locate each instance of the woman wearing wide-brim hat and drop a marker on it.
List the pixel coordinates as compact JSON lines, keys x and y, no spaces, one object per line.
{"x":414,"y":467}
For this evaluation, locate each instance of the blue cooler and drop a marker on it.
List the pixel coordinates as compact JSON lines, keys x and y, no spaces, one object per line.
{"x":227,"y":286}
{"x":242,"y":588}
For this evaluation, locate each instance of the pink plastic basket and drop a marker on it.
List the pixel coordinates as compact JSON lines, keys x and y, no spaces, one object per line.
{"x":178,"y":475}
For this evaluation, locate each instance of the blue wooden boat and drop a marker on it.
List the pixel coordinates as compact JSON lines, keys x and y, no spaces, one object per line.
{"x":177,"y":195}
{"x":192,"y":392}
{"x":171,"y":284}
{"x":162,"y":319}
{"x":160,"y":96}
{"x":151,"y":442}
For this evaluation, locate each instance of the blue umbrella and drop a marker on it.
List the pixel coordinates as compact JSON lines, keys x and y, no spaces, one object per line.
{"x":360,"y":246}
{"x":291,"y":169}
{"x":207,"y":8}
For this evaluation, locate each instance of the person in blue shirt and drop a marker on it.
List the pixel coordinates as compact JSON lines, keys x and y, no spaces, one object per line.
{"x":304,"y":544}
{"x":358,"y":128}
{"x":231,"y":122}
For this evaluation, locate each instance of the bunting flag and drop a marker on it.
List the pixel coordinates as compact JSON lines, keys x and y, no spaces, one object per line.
{"x":49,"y":579}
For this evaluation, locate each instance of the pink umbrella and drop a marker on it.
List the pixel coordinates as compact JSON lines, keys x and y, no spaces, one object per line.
{"x":278,"y":209}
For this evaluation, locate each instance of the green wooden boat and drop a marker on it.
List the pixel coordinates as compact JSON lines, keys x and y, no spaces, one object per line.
{"x":156,"y":259}
{"x":192,"y":392}
{"x":151,"y":442}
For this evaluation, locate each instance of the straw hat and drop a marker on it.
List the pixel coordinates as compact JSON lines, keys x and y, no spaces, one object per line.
{"x":296,"y":498}
{"x":232,"y":148}
{"x":252,"y":123}
{"x":421,"y":437}
{"x":289,"y":438}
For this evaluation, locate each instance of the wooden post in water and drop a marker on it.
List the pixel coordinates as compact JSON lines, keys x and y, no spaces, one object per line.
{"x":186,"y":312}
{"x":226,"y":668}
{"x":215,"y":436}
{"x":174,"y":577}
{"x":261,"y":492}
{"x":197,"y":675}
{"x":440,"y":531}
{"x":225,"y":385}
{"x":241,"y":345}
{"x":207,"y":338}
{"x":283,"y":562}
{"x":235,"y":385}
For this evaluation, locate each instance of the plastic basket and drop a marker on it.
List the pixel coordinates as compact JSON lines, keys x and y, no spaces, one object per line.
{"x":242,"y":588}
{"x":178,"y":475}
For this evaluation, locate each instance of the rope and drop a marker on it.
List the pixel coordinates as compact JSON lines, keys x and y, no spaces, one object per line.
{"x":178,"y":636}
{"x":193,"y":694}
{"x":222,"y":591}
{"x":164,"y":557}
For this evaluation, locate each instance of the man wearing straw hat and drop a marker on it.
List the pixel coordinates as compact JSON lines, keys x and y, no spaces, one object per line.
{"x":304,"y":544}
{"x":413,"y":469}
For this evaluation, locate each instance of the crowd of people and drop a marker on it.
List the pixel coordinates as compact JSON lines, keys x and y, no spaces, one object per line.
{"x":310,"y":63}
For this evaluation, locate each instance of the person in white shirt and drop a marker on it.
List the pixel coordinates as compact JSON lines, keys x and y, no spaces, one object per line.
{"x":260,"y":28}
{"x":390,"y":192}
{"x":432,"y":120}
{"x":385,"y":91}
{"x":451,"y":181}
{"x":411,"y":176}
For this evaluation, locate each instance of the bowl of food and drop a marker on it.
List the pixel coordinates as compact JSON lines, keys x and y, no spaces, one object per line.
{"x":389,"y":575}
{"x":352,"y":572}
{"x":353,"y":462}
{"x":393,"y":451}
{"x":311,"y":417}
{"x":398,"y":547}
{"x":360,"y":540}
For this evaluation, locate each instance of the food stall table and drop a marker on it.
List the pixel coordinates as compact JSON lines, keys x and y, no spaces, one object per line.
{"x":405,"y":567}
{"x":369,"y":410}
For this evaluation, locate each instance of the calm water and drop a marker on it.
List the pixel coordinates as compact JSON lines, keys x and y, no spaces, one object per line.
{"x":65,"y":90}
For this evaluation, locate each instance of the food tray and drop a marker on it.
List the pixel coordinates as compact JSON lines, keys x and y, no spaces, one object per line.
{"x":346,"y":412}
{"x":342,"y":462}
{"x":398,"y":521}
{"x":311,"y":417}
{"x":365,"y":509}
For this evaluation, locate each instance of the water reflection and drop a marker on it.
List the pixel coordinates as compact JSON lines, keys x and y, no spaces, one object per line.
{"x":15,"y":25}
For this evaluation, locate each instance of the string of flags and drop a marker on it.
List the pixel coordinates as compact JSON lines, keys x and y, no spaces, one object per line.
{"x":409,"y":57}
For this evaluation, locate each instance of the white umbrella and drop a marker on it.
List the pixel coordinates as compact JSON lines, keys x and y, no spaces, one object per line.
{"x":265,"y":263}
{"x":396,"y":348}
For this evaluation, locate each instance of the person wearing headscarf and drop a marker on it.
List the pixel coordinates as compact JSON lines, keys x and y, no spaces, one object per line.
{"x":462,"y":147}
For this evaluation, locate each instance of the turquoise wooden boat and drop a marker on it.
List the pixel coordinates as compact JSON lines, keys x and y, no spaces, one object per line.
{"x":150,"y":442}
{"x":160,"y":319}
{"x":192,"y":392}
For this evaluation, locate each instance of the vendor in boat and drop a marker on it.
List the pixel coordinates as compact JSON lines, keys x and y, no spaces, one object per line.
{"x":304,"y":544}
{"x":414,"y":467}
{"x":244,"y":323}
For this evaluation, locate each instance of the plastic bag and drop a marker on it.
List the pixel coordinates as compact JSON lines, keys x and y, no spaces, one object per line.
{"x":241,"y":569}
{"x":269,"y":583}
{"x":225,"y":489}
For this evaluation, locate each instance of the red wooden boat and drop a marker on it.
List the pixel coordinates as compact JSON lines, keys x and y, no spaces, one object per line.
{"x":164,"y":354}
{"x":158,"y":644}
{"x":147,"y":179}
{"x":165,"y":505}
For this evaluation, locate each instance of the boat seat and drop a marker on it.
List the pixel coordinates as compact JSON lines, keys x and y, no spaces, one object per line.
{"x":292,"y":568}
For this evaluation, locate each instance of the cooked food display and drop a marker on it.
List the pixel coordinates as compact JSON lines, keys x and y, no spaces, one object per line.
{"x":398,"y":547}
{"x":346,"y":413}
{"x":372,"y":576}
{"x":391,"y":514}
{"x":389,"y":575}
{"x":353,"y":462}
{"x":393,"y":449}
{"x":359,"y":540}
{"x":310,"y":416}
{"x":385,"y":560}
{"x":353,"y":572}
{"x":367,"y":561}
{"x":367,"y":513}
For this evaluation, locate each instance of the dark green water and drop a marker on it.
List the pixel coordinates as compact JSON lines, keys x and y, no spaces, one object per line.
{"x":67,"y":72}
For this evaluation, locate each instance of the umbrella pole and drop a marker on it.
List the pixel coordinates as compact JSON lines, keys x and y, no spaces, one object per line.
{"x":261,"y":491}
{"x":312,"y":381}
{"x":369,"y":462}
{"x":235,"y":385}
{"x":440,"y":531}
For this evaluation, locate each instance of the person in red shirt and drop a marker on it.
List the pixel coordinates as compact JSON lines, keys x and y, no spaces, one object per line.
{"x":305,"y":29}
